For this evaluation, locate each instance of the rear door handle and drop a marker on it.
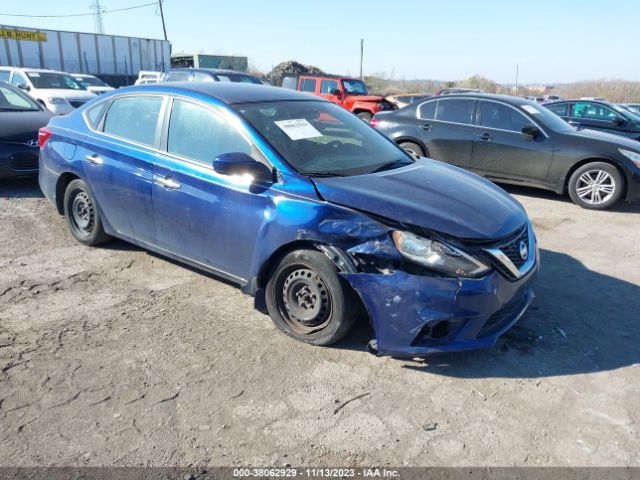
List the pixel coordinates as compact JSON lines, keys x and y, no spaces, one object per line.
{"x":426,"y":126}
{"x":168,"y":182}
{"x":485,"y":136}
{"x":94,"y":159}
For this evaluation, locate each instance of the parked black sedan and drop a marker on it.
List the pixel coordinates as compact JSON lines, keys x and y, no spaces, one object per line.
{"x":598,"y":115}
{"x":20,"y":119}
{"x":514,"y":140}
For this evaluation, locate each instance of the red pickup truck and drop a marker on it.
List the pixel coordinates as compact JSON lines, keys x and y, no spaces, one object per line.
{"x":349,"y":93}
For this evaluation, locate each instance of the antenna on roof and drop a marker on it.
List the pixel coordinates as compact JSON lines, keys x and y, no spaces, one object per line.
{"x":97,"y":16}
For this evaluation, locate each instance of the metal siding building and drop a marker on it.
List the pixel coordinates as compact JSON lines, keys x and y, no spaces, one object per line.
{"x":75,"y":52}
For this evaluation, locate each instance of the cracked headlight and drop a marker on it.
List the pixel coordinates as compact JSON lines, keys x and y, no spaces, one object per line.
{"x":633,"y":156}
{"x":437,"y":255}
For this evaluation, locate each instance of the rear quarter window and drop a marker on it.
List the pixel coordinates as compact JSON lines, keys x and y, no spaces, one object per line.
{"x":308,"y":85}
{"x":93,"y":115}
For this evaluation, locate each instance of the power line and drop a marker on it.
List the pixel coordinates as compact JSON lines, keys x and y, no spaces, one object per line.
{"x":78,"y":14}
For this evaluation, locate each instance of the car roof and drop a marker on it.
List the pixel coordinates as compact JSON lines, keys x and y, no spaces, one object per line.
{"x":227,"y":92}
{"x":210,"y":70}
{"x":488,"y":96}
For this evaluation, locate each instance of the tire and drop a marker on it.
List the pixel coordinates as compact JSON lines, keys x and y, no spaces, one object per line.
{"x":364,"y":116}
{"x":308,"y":300}
{"x":596,"y":186}
{"x":413,"y":149}
{"x":81,"y":212}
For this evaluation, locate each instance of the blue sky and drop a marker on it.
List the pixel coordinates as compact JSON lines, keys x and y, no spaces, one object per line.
{"x":551,"y":41}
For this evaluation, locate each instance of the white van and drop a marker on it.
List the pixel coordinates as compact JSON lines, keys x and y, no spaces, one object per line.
{"x":57,"y":91}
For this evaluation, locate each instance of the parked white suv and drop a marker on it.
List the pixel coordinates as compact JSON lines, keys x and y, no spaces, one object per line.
{"x":57,"y":91}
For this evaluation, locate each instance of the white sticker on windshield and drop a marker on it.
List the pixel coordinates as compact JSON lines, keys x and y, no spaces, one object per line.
{"x":33,"y":74}
{"x":298,"y":129}
{"x":530,"y":109}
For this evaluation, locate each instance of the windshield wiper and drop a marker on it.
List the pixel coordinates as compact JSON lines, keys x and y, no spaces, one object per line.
{"x":17,"y":110}
{"x":323,"y":174}
{"x":385,"y":166}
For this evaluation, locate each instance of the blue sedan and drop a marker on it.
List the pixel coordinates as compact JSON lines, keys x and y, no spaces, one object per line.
{"x":304,"y":206}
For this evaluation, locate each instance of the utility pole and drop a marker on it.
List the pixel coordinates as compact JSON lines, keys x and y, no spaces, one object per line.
{"x":361,"y":57}
{"x":97,"y":16}
{"x":164,"y":28}
{"x":516,"y":79}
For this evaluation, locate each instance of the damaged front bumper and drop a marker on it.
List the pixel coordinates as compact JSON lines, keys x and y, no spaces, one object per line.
{"x":414,"y":315}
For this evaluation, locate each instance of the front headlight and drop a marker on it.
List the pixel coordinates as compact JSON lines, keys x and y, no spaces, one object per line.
{"x":437,"y":255}
{"x":633,"y":156}
{"x":56,"y":100}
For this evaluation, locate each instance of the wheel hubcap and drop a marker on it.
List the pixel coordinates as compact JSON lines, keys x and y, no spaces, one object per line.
{"x":595,"y":187}
{"x":306,"y":300}
{"x":82,"y":211}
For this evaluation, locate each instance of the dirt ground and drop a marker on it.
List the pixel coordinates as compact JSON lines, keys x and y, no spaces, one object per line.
{"x":115,"y":356}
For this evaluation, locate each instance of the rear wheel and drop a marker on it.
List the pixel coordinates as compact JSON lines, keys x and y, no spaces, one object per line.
{"x":412,"y":149}
{"x":82,"y":215}
{"x":364,"y":116}
{"x":596,"y":186}
{"x":307,"y":299}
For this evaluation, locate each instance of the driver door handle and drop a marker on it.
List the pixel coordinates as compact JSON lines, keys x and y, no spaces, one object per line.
{"x":168,"y":182}
{"x":485,"y":136}
{"x":94,"y":159}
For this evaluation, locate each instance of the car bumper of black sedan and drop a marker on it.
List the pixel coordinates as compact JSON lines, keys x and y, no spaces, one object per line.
{"x":19,"y":163}
{"x":633,"y":186}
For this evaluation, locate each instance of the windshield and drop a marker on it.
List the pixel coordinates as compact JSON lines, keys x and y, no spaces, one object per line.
{"x":321,"y":138}
{"x":547,"y":117}
{"x":53,"y":80}
{"x":237,"y":78}
{"x":354,"y":87}
{"x":627,"y":113}
{"x":91,"y":82}
{"x":15,"y":100}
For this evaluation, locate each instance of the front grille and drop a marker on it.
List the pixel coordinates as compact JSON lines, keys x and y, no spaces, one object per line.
{"x":77,"y":103}
{"x":503,"y":317}
{"x":23,"y":162}
{"x":512,"y":249}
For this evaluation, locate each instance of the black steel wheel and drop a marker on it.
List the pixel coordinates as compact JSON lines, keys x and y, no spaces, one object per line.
{"x":82,"y":214}
{"x":307,"y":299}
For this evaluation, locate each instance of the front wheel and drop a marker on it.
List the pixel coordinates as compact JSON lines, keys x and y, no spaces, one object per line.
{"x":412,"y":149}
{"x":82,"y":214}
{"x":364,"y":116}
{"x":307,"y":299}
{"x":596,"y":186}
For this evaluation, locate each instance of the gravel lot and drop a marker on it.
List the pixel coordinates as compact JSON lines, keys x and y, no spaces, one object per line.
{"x":115,"y":356}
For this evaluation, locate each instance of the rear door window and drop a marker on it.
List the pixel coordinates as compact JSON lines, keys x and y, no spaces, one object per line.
{"x":308,"y":85}
{"x":455,"y":111}
{"x":134,"y":118}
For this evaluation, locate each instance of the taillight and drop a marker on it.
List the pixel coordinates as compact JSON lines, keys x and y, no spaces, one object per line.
{"x":43,"y":135}
{"x":374,"y":122}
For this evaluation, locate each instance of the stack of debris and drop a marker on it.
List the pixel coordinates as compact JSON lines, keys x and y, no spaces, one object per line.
{"x":291,"y":68}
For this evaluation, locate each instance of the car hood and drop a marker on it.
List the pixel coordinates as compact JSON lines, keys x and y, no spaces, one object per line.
{"x":62,"y":92}
{"x":366,"y":98}
{"x":21,"y":127}
{"x":597,"y":135}
{"x":432,"y":195}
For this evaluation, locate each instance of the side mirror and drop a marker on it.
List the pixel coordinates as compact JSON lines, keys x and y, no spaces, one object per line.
{"x":531,"y":130}
{"x":241,"y":164}
{"x":335,"y":91}
{"x":24,"y":86}
{"x":617,"y":121}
